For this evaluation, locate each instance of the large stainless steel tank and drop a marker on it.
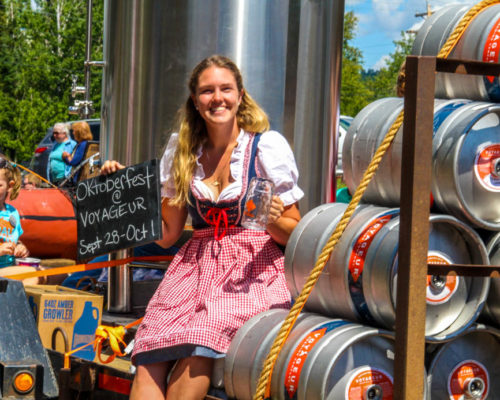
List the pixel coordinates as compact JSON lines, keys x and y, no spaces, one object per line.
{"x":289,"y":52}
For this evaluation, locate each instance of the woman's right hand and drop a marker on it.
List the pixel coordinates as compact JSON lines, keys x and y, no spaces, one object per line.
{"x":111,"y":166}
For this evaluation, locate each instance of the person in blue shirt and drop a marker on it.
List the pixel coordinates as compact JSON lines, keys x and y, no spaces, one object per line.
{"x":10,"y":223}
{"x":57,"y":170}
{"x":82,"y":134}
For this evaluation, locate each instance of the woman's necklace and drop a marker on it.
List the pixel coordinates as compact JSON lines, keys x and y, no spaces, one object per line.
{"x":224,"y":161}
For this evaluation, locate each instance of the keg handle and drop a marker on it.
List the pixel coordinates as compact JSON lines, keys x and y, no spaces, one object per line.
{"x":474,"y":388}
{"x":437,"y":283}
{"x":373,"y":392}
{"x":495,"y":167}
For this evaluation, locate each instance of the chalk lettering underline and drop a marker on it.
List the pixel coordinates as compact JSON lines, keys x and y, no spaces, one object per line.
{"x":129,"y":180}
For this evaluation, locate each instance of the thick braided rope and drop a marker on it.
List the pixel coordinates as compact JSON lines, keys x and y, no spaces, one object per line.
{"x":264,"y":383}
{"x":462,"y":26}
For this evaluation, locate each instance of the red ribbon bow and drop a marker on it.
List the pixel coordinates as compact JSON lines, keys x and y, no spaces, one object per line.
{"x":214,"y":217}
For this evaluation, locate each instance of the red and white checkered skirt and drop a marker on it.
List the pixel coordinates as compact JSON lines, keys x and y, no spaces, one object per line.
{"x":211,"y":288}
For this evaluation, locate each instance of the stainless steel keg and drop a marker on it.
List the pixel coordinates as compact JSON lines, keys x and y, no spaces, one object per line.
{"x":491,"y":310}
{"x":324,"y":219}
{"x":466,"y":158}
{"x":359,"y":280}
{"x":466,"y":367}
{"x":322,"y":358}
{"x":248,"y":351}
{"x":480,"y":41}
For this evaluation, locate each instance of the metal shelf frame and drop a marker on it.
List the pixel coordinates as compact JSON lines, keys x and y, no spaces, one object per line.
{"x":414,"y":217}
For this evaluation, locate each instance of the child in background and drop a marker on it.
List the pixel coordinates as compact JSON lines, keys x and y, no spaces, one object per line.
{"x":10,"y":222}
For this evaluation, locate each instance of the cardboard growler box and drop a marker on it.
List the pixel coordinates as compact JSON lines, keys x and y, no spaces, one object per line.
{"x":76,"y":313}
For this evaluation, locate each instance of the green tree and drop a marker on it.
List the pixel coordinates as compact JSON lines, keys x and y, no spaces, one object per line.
{"x":383,"y":82}
{"x":354,"y":94}
{"x":42,"y":44}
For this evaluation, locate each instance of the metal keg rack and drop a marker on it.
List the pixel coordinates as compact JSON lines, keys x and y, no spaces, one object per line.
{"x":414,"y":217}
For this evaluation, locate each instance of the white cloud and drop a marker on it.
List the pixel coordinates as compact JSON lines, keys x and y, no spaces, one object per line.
{"x":437,"y":4}
{"x":381,"y":63}
{"x":351,"y":3}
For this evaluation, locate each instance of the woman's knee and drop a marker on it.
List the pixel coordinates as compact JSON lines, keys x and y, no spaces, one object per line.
{"x":152,"y":375}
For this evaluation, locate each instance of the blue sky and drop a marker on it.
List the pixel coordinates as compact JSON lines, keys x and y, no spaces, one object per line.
{"x":380,"y":22}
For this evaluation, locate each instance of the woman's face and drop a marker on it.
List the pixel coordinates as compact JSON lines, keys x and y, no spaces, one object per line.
{"x":5,"y":185}
{"x":217,"y":97}
{"x":59,"y":136}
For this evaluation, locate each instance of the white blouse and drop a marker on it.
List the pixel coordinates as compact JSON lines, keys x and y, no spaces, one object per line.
{"x":275,"y":162}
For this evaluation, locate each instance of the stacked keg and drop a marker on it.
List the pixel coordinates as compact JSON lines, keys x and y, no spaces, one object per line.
{"x":342,"y":345}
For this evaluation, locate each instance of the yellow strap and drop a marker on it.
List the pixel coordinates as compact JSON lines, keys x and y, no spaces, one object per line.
{"x":264,"y":384}
{"x":115,"y":337}
{"x":38,"y":176}
{"x":84,"y":267}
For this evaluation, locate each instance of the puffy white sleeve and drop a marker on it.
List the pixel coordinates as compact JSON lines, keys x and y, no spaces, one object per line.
{"x":276,"y":162}
{"x":166,"y":171}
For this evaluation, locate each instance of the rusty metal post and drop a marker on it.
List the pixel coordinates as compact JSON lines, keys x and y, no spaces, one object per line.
{"x":414,"y":228}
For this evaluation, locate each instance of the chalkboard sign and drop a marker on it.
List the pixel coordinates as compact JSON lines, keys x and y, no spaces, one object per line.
{"x":119,"y":210}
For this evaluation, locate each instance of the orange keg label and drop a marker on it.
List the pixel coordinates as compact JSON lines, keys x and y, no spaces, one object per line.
{"x":483,"y":165}
{"x":492,"y":47}
{"x":366,"y":378}
{"x":301,"y":352}
{"x":360,"y":248}
{"x":440,"y":294}
{"x":461,"y":376}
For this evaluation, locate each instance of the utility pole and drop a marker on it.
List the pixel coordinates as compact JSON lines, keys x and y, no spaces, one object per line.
{"x":426,"y":14}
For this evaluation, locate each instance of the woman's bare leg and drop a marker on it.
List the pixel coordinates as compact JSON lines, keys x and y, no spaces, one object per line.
{"x":190,"y":379}
{"x":150,"y":381}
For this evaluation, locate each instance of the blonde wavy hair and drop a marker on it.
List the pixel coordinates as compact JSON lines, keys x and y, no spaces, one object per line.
{"x":192,"y":130}
{"x":12,"y":173}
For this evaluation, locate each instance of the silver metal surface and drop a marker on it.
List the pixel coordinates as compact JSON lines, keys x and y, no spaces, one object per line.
{"x":316,"y":109}
{"x":339,"y":356}
{"x":289,"y":53}
{"x":370,"y":245}
{"x":119,"y":292}
{"x":491,"y":309}
{"x":478,"y":348}
{"x":305,"y":244}
{"x":472,"y":46}
{"x":294,"y":348}
{"x":248,"y":351}
{"x":463,"y":131}
{"x":452,"y":241}
{"x":456,"y":185}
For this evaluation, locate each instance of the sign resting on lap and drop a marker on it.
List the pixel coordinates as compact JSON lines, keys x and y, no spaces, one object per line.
{"x":119,"y":210}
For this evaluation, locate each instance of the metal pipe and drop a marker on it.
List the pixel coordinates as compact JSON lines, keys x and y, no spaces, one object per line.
{"x":332,"y":123}
{"x":88,"y":47}
{"x":120,"y":284}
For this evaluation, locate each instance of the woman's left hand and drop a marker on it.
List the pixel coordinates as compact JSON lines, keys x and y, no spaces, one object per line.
{"x":276,"y":210}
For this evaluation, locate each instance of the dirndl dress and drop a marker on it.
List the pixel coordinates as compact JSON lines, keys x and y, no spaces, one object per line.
{"x":224,"y":275}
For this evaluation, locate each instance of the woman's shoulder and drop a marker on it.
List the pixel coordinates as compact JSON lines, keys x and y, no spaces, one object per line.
{"x":273,"y":141}
{"x":172,"y":142}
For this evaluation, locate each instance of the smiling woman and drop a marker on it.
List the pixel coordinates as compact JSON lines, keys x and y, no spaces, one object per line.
{"x":225,"y":273}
